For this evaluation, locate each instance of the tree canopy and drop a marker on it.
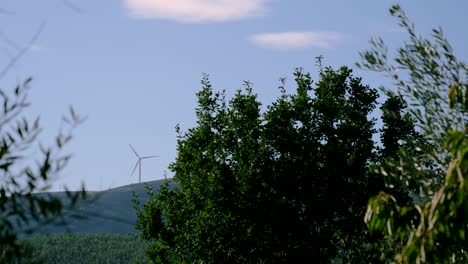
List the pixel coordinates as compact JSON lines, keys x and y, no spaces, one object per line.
{"x":289,"y":184}
{"x":292,"y":183}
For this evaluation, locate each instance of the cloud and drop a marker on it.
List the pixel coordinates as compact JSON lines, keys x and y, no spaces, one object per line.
{"x":297,"y":40}
{"x":196,"y":11}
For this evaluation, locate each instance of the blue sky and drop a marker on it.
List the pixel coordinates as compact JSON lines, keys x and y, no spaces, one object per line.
{"x":134,"y":66}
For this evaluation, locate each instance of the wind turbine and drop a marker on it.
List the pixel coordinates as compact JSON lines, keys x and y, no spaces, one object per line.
{"x":138,"y":163}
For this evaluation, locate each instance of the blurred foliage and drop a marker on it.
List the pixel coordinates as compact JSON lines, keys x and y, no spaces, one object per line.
{"x":24,"y":172}
{"x":289,"y":185}
{"x":86,"y":248}
{"x":428,"y":75}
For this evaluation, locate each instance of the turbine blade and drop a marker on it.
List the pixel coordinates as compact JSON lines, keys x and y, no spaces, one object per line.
{"x":148,"y":157}
{"x":134,"y":151}
{"x":136,"y":165}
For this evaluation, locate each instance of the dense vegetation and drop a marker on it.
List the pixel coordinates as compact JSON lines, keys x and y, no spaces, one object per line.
{"x":87,"y":248}
{"x":291,"y":184}
{"x":288,"y":185}
{"x":301,"y":182}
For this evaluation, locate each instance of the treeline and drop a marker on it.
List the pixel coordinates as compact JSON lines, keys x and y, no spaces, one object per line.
{"x":85,"y":248}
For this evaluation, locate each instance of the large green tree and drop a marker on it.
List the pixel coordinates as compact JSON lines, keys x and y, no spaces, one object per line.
{"x":289,"y":184}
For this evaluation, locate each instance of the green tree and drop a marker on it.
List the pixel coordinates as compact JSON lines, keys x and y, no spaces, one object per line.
{"x":434,"y":82}
{"x":290,"y":184}
{"x":22,"y":210}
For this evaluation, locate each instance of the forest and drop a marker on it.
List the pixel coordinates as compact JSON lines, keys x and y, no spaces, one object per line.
{"x":335,"y":171}
{"x":85,"y":248}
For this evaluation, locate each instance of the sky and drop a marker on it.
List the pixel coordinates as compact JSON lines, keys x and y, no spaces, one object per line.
{"x":133,"y":66}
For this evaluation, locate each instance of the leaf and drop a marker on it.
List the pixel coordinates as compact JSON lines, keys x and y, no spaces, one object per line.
{"x":453,"y":94}
{"x":5,"y":166}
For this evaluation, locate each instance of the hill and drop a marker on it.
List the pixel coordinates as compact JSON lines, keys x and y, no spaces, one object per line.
{"x":109,"y":211}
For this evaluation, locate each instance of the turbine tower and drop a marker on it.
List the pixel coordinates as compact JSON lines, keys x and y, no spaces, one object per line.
{"x":138,"y":163}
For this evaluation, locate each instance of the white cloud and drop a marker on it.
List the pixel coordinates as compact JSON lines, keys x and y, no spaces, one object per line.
{"x":297,"y":40}
{"x":196,"y":11}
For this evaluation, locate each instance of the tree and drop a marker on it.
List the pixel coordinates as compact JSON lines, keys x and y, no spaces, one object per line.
{"x":22,"y":210}
{"x":23,"y":172}
{"x":434,"y":82}
{"x":290,"y":184}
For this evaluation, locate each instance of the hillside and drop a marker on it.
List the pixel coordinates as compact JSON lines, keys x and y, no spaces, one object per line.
{"x":109,"y":211}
